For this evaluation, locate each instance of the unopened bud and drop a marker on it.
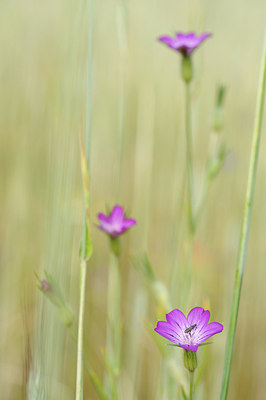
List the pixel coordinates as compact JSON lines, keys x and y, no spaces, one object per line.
{"x":190,"y":360}
{"x":187,"y":70}
{"x":115,"y":245}
{"x":46,"y":286}
{"x":218,"y":110}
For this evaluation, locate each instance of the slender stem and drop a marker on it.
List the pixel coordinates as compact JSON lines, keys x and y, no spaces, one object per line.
{"x":122,"y":45}
{"x":189,"y":160}
{"x":186,"y":276}
{"x":79,"y":381}
{"x":191,"y":385}
{"x":89,"y":81}
{"x":85,"y":230}
{"x":202,"y":202}
{"x":176,"y":241}
{"x":113,"y":342}
{"x":94,"y":378}
{"x":242,"y":250}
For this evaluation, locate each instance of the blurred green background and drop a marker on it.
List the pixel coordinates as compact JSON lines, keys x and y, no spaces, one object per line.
{"x":43,"y":70}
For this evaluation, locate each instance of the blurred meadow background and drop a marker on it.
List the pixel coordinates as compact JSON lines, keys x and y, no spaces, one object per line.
{"x":137,"y":160}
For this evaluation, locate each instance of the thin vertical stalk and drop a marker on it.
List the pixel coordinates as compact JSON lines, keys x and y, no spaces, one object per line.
{"x":176,"y":242}
{"x":186,"y":273}
{"x":94,"y":378}
{"x":85,"y":231}
{"x":191,"y":385}
{"x":113,"y":342}
{"x":242,"y":250}
{"x":122,"y":45}
{"x":79,"y":381}
{"x":89,"y":82}
{"x":189,"y":160}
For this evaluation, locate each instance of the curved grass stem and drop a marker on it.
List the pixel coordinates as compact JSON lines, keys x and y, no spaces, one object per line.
{"x":242,"y":250}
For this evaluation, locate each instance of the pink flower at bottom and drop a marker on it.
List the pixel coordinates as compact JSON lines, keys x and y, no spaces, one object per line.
{"x":188,"y":332}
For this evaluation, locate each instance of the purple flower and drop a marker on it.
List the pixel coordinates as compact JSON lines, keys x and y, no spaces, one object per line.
{"x":115,"y":224}
{"x":188,"y":332}
{"x":185,"y":43}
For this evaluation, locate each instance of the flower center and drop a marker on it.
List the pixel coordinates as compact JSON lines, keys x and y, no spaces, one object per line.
{"x":189,"y":333}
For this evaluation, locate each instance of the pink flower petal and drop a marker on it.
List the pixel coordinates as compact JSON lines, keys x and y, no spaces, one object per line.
{"x":127,"y":223}
{"x":166,"y":330}
{"x":117,"y":214}
{"x":198,"y":316}
{"x":177,"y":319}
{"x":211,"y":329}
{"x":103,"y":217}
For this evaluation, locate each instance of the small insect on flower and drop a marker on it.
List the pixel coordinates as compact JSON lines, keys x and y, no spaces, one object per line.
{"x":188,"y":332}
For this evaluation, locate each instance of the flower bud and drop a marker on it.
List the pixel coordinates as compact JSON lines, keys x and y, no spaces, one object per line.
{"x":115,"y":245}
{"x":46,"y":286}
{"x":190,"y":360}
{"x":187,"y":70}
{"x":50,"y":291}
{"x":218,"y":110}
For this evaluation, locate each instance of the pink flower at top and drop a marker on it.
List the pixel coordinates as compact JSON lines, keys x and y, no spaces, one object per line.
{"x":185,"y":43}
{"x":115,"y":224}
{"x":188,"y":332}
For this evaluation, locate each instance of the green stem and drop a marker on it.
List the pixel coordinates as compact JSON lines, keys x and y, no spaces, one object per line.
{"x":85,"y":230}
{"x":191,"y":385}
{"x":79,"y":381}
{"x":244,"y":229}
{"x":189,"y":160}
{"x":202,"y":203}
{"x":94,"y":378}
{"x":122,"y":45}
{"x":186,"y":276}
{"x":113,"y":341}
